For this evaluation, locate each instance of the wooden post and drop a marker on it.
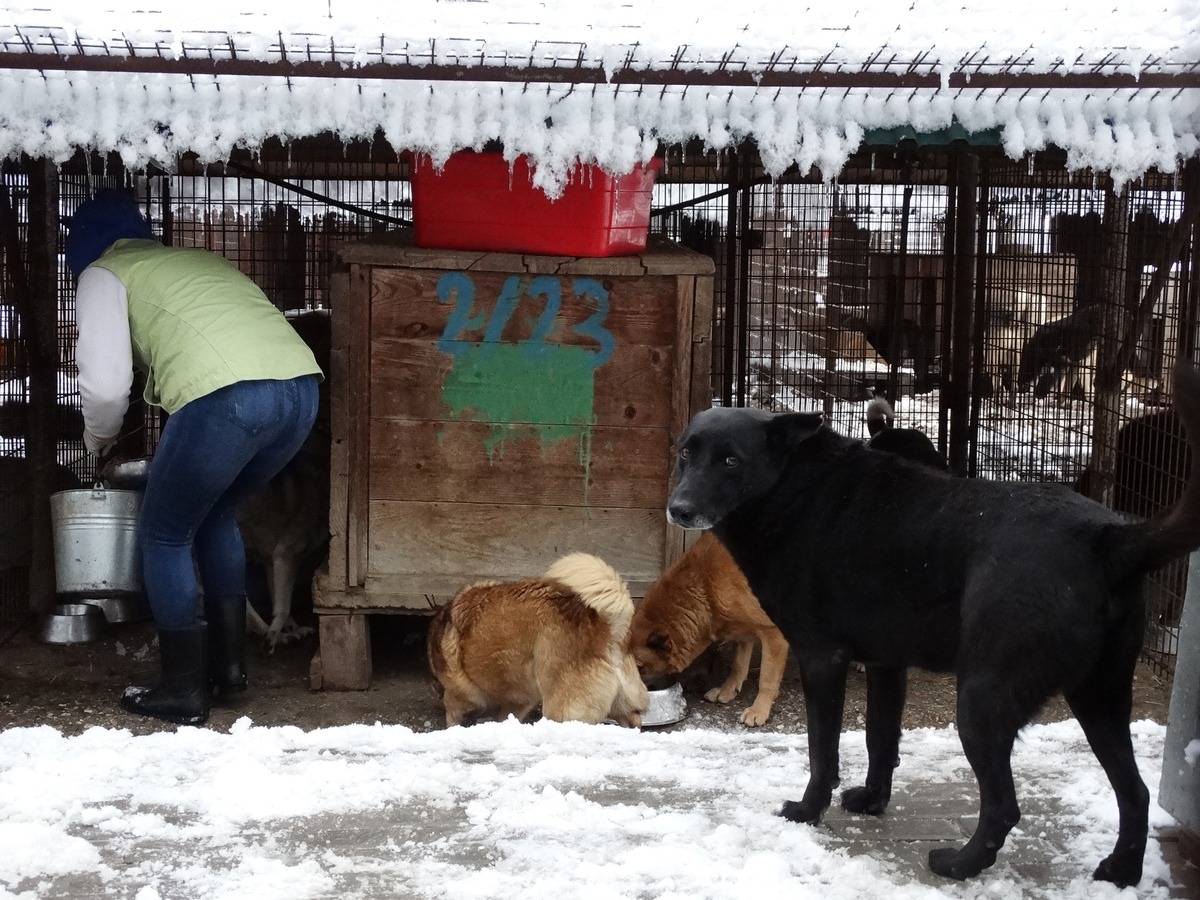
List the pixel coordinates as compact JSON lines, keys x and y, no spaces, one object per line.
{"x":979,"y":328}
{"x":946,"y":344}
{"x":41,"y":443}
{"x":345,"y":654}
{"x":963,"y":301}
{"x":34,"y":274}
{"x":1115,"y":322}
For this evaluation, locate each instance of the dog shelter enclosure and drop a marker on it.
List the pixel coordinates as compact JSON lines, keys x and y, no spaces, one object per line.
{"x":1020,"y":306}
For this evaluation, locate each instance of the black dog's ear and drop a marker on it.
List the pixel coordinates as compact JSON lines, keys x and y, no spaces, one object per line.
{"x":788,"y":430}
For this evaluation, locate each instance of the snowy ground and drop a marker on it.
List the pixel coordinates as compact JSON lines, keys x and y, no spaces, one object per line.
{"x":504,"y":810}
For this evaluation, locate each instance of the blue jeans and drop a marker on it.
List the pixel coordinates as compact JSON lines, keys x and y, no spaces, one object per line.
{"x":214,"y":453}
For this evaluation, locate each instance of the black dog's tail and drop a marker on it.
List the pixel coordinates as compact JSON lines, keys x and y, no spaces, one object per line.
{"x":1174,"y":531}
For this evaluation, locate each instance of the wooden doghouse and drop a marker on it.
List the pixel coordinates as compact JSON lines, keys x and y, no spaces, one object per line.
{"x":494,"y":411}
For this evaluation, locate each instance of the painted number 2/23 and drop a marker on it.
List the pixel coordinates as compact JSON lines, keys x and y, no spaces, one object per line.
{"x":459,"y":288}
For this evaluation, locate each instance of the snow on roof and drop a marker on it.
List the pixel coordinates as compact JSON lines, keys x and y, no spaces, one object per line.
{"x":604,"y":82}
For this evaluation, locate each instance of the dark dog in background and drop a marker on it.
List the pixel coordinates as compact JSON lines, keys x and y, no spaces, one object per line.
{"x":906,"y":342}
{"x":1152,"y":463}
{"x":285,"y":526}
{"x":911,"y":443}
{"x":1023,"y":590}
{"x":1053,"y":357}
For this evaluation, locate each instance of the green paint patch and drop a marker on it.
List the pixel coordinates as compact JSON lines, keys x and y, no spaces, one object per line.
{"x":523,"y":391}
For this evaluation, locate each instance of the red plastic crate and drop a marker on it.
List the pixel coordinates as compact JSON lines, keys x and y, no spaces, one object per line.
{"x":477,"y":203}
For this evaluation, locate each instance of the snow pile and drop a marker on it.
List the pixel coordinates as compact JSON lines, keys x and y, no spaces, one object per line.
{"x":528,"y":811}
{"x":154,"y":118}
{"x":1125,"y":132}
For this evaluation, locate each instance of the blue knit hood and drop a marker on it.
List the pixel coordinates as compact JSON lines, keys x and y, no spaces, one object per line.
{"x":99,"y":223}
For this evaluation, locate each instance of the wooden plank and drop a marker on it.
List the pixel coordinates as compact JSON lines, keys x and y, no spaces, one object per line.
{"x":396,"y":248}
{"x":681,"y":396}
{"x":702,"y":306}
{"x":681,"y":375}
{"x":345,"y":663}
{"x":691,"y":385}
{"x":409,"y":380}
{"x":453,"y":305}
{"x":425,"y":547}
{"x":339,"y":449}
{"x":471,"y":461}
{"x":358,"y":315}
{"x":375,"y":597}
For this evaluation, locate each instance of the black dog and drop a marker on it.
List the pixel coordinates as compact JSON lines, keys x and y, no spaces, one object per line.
{"x":1153,"y":462}
{"x":908,"y":442}
{"x":1024,"y":590}
{"x":1053,"y":357}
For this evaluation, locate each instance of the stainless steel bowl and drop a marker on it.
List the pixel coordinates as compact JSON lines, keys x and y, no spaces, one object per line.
{"x":127,"y":474}
{"x":72,"y":623}
{"x":667,"y":705}
{"x":122,"y":607}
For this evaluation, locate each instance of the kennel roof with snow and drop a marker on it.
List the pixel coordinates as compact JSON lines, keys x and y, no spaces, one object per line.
{"x":605,"y":82}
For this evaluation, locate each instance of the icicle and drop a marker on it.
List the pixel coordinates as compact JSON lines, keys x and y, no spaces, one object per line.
{"x":1030,"y":165}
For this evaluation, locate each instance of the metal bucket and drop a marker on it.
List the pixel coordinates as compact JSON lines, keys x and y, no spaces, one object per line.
{"x":96,"y":548}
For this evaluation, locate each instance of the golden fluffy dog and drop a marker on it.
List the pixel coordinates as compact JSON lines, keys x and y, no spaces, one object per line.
{"x":559,"y":641}
{"x":701,"y":599}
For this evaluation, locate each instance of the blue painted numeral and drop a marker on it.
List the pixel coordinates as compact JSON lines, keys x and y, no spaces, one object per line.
{"x":459,"y":288}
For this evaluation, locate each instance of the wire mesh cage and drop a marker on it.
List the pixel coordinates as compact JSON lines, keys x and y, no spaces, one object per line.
{"x":826,"y":294}
{"x":829,"y":294}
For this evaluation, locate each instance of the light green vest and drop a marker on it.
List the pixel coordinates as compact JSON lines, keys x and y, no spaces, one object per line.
{"x":198,"y":324}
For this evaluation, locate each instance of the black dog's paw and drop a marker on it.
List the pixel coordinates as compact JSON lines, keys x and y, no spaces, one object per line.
{"x":799,"y":811}
{"x":1120,"y":875}
{"x":864,"y":801}
{"x":942,"y":862}
{"x":964,"y":863}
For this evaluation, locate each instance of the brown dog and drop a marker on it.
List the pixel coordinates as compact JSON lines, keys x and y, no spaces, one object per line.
{"x":701,"y":599}
{"x":561,"y":641}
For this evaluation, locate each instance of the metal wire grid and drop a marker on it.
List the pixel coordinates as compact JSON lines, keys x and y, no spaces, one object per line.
{"x":801,"y":291}
{"x":13,"y":369}
{"x":1041,"y":266}
{"x":279,"y":219}
{"x":885,"y":296}
{"x":840,"y":278}
{"x":806,"y":292}
{"x":13,"y":362}
{"x":77,"y":182}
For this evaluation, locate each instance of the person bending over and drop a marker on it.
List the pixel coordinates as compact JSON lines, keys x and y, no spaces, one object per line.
{"x":240,"y":388}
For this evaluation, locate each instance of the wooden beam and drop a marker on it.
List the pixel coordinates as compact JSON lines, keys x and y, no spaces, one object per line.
{"x":903,"y":77}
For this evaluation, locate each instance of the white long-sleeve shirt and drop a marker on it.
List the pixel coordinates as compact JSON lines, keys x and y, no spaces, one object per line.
{"x":103,"y":354}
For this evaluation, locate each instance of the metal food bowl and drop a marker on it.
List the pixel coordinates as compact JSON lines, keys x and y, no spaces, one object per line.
{"x":72,"y":623}
{"x":122,"y":607}
{"x":666,"y":706}
{"x":127,"y":474}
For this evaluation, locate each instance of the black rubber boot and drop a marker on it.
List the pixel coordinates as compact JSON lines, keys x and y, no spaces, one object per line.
{"x":183,"y":694}
{"x":226,"y":643}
